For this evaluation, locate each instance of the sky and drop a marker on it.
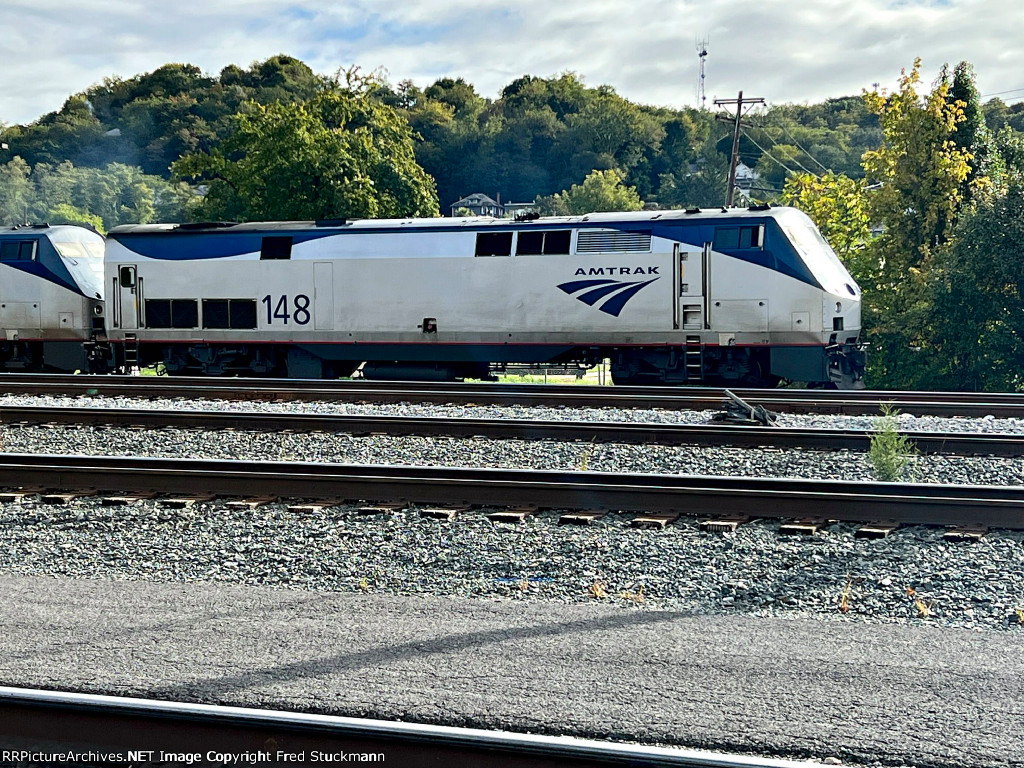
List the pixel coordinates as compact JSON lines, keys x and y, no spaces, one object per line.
{"x":784,"y":51}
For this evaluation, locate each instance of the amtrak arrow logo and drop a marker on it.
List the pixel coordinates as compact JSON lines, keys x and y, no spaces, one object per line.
{"x":592,"y":291}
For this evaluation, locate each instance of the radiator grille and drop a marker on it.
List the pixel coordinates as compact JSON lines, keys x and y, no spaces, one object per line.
{"x":610,"y":241}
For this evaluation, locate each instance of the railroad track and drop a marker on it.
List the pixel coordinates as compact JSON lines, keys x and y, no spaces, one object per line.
{"x":138,"y":730}
{"x":863,"y":402}
{"x":955,"y":443}
{"x":653,"y":495}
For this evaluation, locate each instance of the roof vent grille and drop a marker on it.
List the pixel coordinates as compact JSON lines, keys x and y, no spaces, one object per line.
{"x":612,"y":241}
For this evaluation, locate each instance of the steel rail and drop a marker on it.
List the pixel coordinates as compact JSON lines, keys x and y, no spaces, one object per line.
{"x":148,"y":727}
{"x":790,"y":400}
{"x":907,"y":503}
{"x":955,"y":443}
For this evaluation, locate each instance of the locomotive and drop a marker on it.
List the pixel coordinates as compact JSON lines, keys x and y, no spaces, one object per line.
{"x":734,"y":297}
{"x":51,"y":299}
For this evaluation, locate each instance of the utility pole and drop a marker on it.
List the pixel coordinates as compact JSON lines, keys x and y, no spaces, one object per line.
{"x":739,"y":102}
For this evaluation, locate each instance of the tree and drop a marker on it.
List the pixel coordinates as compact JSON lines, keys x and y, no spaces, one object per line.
{"x":979,"y":296}
{"x":916,"y":178}
{"x":341,"y":154}
{"x":15,"y":192}
{"x":838,"y":206}
{"x":702,"y":184}
{"x":600,"y":191}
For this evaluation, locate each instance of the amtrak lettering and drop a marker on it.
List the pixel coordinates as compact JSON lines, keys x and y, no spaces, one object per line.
{"x":618,"y":271}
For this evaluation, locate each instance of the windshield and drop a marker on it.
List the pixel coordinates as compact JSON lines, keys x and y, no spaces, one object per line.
{"x":819,"y":257}
{"x":70,"y":249}
{"x":82,"y":253}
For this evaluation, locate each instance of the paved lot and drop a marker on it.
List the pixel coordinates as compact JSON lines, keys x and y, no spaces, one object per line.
{"x":791,"y":688}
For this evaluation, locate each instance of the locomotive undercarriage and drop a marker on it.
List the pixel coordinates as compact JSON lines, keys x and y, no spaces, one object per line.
{"x":715,"y":366}
{"x":245,"y":360}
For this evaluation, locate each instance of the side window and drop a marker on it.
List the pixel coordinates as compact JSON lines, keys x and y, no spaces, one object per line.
{"x":18,"y":250}
{"x":738,"y":238}
{"x":494,"y":244}
{"x":276,"y":248}
{"x":557,"y":242}
{"x":532,"y":242}
{"x":27,"y":252}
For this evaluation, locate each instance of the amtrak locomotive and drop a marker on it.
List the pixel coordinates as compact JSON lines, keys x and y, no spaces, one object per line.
{"x":732,"y":297}
{"x":51,"y":299}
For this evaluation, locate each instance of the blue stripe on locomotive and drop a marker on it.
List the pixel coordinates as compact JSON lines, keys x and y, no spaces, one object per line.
{"x":48,"y":264}
{"x":777,"y":253}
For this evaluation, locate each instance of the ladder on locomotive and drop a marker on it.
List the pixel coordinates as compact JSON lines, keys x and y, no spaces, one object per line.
{"x":131,"y":351}
{"x":693,"y":356}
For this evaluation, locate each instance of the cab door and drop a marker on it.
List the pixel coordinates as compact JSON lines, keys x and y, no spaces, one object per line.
{"x":126,"y":297}
{"x":689,"y":295}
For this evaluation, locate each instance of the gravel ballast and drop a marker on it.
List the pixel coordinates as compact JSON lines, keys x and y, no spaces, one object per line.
{"x":907,"y":422}
{"x":911,"y":576}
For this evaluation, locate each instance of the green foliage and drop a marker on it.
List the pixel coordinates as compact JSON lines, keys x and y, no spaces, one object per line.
{"x":890,"y":451}
{"x":341,"y":154}
{"x":100,"y":197}
{"x":600,"y":191}
{"x":918,"y":174}
{"x":68,"y":214}
{"x":978,"y":296}
{"x":838,"y":206}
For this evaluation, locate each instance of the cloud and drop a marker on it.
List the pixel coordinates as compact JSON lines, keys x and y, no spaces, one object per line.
{"x":780,"y":51}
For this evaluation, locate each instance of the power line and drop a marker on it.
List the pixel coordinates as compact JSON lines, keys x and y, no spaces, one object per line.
{"x":772,"y":157}
{"x":999,"y":93}
{"x":776,"y":144}
{"x":786,"y":131}
{"x":735,"y":138}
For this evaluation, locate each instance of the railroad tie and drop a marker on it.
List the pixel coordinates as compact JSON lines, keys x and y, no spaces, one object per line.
{"x":582,"y":517}
{"x":875,"y":530}
{"x":125,"y":499}
{"x":7,"y":497}
{"x":966,"y":533}
{"x":725,"y":524}
{"x":512,"y":514}
{"x":443,"y":513}
{"x":65,"y":497}
{"x":804,"y":526}
{"x":654,"y":520}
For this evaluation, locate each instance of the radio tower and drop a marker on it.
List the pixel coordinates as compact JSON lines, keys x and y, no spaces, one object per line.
{"x":702,"y":54}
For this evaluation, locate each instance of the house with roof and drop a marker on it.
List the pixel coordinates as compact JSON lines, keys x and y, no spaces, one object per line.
{"x":479,"y":204}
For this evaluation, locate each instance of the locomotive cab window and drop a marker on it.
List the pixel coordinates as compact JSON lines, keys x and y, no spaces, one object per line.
{"x":18,"y":250}
{"x":738,"y":238}
{"x":533,"y":242}
{"x":229,"y":313}
{"x":494,"y":244}
{"x":172,"y":313}
{"x":126,"y":276}
{"x":276,"y":248}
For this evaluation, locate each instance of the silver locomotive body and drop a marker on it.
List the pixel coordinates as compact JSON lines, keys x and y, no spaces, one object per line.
{"x":738,"y":297}
{"x":51,"y":299}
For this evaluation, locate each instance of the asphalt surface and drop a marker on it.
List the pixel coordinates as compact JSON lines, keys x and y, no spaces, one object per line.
{"x":861,"y":692}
